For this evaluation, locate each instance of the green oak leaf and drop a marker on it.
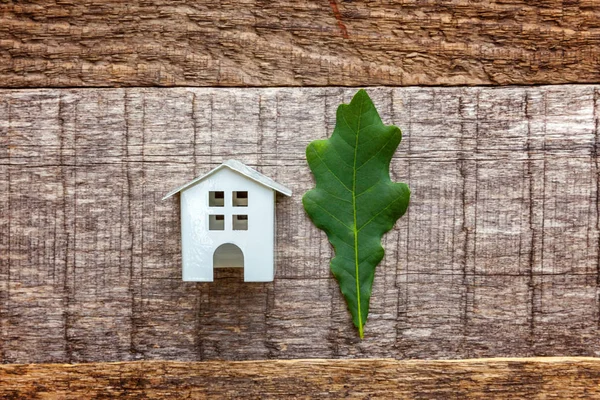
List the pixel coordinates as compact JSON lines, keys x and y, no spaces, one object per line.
{"x":354,"y":200}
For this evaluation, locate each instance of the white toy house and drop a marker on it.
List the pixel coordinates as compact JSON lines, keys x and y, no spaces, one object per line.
{"x":228,"y":220}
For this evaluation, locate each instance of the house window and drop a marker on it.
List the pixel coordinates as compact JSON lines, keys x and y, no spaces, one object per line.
{"x":216,"y":199}
{"x":240,"y":222}
{"x":216,"y":222}
{"x":240,"y":199}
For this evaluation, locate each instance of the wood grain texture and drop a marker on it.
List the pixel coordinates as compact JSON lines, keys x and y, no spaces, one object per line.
{"x":290,"y":43}
{"x":497,"y":255}
{"x":536,"y":378}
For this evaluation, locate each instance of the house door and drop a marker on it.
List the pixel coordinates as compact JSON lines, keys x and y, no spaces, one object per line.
{"x":228,"y":255}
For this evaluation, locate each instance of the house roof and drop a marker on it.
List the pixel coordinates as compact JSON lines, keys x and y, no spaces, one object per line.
{"x":242,"y":169}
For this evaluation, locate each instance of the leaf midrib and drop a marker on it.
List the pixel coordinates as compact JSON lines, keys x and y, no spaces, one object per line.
{"x":356,"y":277}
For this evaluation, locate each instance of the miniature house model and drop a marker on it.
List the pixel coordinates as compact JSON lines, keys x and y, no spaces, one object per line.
{"x":228,"y":220}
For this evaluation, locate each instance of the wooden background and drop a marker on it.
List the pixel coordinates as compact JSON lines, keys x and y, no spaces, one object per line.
{"x":286,"y":42}
{"x":497,"y":255}
{"x":525,"y":378}
{"x":107,"y":105}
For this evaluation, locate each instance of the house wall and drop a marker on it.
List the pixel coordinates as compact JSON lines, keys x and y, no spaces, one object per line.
{"x":199,"y":242}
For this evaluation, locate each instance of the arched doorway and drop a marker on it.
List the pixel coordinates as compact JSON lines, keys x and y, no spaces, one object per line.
{"x":228,"y":255}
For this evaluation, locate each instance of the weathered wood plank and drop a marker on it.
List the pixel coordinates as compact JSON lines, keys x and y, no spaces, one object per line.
{"x":290,"y":43}
{"x":535,"y":378}
{"x":497,"y":255}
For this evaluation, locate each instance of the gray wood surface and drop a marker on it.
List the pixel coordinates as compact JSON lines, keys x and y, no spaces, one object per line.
{"x":506,"y":378}
{"x":51,"y":43}
{"x":497,"y":255}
